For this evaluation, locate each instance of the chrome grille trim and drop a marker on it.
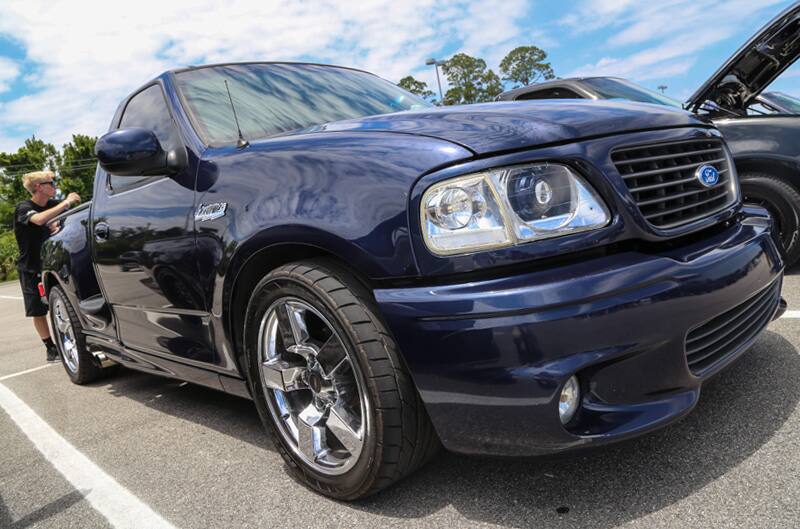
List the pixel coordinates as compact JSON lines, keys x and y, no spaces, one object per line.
{"x":671,"y":168}
{"x":680,"y":208}
{"x":660,"y":178}
{"x":666,"y":156}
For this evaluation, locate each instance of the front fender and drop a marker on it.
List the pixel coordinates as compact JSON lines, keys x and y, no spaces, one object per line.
{"x":765,"y":144}
{"x":363,"y":256}
{"x":346,"y":193}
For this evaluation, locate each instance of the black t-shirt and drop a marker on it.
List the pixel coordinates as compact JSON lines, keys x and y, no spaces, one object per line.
{"x":30,"y":236}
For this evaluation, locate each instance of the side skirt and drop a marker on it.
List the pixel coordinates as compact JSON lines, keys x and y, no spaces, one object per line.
{"x":157,"y":365}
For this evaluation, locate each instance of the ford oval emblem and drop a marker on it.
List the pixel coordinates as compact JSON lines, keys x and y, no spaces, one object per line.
{"x":708,"y":175}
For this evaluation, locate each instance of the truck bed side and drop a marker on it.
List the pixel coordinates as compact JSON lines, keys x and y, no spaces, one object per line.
{"x":67,"y":262}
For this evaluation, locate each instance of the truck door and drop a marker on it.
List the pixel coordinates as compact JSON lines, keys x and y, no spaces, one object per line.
{"x":144,"y":246}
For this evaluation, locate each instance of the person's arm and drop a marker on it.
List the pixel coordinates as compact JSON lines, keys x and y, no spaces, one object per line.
{"x":43,"y":217}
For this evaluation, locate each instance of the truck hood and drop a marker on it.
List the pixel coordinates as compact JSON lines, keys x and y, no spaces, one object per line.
{"x":503,"y":126}
{"x":754,"y":66}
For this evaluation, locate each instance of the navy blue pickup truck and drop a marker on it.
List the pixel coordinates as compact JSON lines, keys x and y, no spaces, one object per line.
{"x":382,"y":277}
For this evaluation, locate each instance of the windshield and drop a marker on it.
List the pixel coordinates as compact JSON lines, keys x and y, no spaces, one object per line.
{"x":785,"y":102}
{"x":609,"y":88}
{"x":276,"y":98}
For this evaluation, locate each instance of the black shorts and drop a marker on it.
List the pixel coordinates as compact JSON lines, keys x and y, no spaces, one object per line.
{"x":30,"y":293}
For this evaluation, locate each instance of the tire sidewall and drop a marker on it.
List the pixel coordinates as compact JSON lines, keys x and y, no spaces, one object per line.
{"x":270,"y":289}
{"x":57,"y":294}
{"x":763,"y":189}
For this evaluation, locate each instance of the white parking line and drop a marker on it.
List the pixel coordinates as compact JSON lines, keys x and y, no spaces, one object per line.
{"x":10,"y":297}
{"x":121,"y":508}
{"x":791,"y":314}
{"x":18,"y":373}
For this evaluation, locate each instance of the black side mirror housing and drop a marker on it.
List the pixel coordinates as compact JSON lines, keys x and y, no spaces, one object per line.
{"x":135,"y":152}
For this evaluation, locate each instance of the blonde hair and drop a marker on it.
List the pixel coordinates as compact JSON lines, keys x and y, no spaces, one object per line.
{"x":29,"y":180}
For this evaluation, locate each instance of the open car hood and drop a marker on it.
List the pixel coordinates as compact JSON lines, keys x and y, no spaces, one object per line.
{"x":754,"y":66}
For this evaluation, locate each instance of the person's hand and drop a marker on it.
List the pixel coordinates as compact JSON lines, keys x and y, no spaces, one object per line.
{"x":55,"y":227}
{"x":74,"y":199}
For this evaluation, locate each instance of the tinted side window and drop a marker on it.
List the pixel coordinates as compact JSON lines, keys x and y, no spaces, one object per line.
{"x":551,"y":93}
{"x":148,"y":110}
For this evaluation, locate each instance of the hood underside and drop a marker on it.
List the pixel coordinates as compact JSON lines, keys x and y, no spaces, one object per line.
{"x":502,"y":126}
{"x":754,"y":66}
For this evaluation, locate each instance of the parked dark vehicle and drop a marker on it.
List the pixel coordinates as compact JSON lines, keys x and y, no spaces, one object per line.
{"x":380,"y":276}
{"x":609,"y":88}
{"x":766,"y":148}
{"x":775,"y":103}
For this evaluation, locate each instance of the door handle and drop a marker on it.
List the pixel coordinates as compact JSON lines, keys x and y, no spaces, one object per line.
{"x":101,"y":232}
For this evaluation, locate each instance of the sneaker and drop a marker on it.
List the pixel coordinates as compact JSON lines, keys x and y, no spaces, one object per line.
{"x":52,"y":354}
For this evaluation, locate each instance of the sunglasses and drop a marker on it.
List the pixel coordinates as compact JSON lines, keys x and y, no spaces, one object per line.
{"x":48,"y":183}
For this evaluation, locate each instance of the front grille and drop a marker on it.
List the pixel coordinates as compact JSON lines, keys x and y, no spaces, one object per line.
{"x":729,"y":331}
{"x":661,"y":179}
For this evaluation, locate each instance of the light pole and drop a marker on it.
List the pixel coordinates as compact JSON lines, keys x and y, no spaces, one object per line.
{"x":436,"y":65}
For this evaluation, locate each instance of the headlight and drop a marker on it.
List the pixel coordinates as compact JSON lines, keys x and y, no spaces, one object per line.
{"x":508,"y":206}
{"x":463,"y":214}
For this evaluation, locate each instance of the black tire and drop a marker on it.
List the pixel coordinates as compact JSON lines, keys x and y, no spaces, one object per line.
{"x":782,"y":200}
{"x":80,"y":366}
{"x":401,"y":437}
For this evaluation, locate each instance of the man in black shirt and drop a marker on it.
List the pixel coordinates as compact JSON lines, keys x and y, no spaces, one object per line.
{"x":30,"y":228}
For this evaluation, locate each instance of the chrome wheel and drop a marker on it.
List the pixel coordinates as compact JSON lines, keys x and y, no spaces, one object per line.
{"x":313,"y":392}
{"x":65,"y":335}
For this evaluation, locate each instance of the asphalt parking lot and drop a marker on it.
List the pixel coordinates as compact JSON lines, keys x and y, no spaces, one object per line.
{"x":184,"y":456}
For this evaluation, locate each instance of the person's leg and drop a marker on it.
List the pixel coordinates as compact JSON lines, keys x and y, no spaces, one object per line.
{"x":36,"y":310}
{"x":40,"y":322}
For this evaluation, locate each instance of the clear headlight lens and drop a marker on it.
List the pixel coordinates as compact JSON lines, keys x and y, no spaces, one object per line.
{"x":463,"y":214}
{"x":508,"y":206}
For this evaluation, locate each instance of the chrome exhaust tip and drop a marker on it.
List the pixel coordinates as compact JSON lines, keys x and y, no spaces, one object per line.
{"x":102,"y":359}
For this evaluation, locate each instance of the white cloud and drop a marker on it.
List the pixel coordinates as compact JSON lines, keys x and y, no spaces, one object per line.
{"x":90,"y":56}
{"x":679,"y":30}
{"x":9,"y":70}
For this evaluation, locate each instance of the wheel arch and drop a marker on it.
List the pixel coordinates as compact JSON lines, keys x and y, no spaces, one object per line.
{"x":787,"y":169}
{"x":255,"y":267}
{"x":51,"y":279}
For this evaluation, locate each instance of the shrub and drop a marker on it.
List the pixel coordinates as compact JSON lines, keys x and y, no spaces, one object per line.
{"x":9,"y":252}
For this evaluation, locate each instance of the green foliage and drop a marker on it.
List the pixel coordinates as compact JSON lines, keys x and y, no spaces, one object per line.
{"x":74,"y":166}
{"x":34,"y":155}
{"x":77,"y":166}
{"x":525,"y":65}
{"x":470,"y":80}
{"x":9,"y":252}
{"x":493,"y":86}
{"x":416,"y":87}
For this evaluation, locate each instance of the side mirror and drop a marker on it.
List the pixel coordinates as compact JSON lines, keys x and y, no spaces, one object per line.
{"x":134,"y":152}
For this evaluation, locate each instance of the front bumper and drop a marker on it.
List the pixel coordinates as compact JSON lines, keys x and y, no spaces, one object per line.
{"x":490,"y":357}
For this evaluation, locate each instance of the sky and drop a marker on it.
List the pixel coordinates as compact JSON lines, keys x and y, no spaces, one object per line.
{"x":65,"y":65}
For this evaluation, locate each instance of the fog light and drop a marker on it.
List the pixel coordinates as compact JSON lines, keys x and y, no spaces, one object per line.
{"x":570,"y":397}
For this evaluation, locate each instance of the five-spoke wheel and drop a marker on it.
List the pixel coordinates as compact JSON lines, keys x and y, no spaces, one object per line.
{"x":311,"y":387}
{"x":67,"y":331}
{"x":65,"y":335}
{"x":329,"y":383}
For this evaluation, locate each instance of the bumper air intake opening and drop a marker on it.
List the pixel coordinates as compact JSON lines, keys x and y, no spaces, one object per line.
{"x":725,"y":334}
